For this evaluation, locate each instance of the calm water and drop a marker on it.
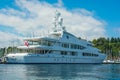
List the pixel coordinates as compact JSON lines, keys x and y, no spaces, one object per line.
{"x":60,"y":72}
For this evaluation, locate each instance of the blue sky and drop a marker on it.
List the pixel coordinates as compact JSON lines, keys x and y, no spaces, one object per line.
{"x":107,"y":10}
{"x":88,"y":19}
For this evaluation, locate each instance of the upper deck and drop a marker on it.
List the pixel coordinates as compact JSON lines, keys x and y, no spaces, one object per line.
{"x":59,"y":39}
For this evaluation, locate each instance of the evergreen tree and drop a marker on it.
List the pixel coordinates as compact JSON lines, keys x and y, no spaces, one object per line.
{"x":110,"y":46}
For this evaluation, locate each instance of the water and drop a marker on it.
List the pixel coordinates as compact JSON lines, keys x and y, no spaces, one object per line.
{"x":59,"y":71}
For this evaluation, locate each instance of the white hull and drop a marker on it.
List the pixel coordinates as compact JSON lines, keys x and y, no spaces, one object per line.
{"x":51,"y":59}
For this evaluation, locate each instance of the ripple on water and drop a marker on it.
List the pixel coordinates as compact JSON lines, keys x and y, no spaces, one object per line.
{"x":59,"y":71}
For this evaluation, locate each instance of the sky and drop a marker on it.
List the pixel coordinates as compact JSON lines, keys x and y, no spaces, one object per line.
{"x":88,"y":19}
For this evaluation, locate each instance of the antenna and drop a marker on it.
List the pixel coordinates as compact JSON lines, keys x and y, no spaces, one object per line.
{"x":58,"y":22}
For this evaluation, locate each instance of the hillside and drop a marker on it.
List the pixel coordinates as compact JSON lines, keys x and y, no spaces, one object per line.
{"x":109,"y":46}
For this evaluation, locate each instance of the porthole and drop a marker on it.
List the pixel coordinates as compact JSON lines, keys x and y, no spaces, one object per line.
{"x":67,"y":37}
{"x":54,"y":59}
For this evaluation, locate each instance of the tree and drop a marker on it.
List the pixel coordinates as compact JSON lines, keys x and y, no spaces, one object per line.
{"x":109,"y":46}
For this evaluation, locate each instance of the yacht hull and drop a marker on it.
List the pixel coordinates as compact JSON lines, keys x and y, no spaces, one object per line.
{"x":50,"y":59}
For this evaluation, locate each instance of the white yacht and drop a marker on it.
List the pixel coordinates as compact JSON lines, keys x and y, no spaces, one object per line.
{"x":59,"y":46}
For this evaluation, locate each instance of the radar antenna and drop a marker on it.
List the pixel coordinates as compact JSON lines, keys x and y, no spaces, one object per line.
{"x":58,"y":22}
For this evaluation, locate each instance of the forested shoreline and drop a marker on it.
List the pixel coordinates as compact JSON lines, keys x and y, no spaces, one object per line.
{"x":109,"y":46}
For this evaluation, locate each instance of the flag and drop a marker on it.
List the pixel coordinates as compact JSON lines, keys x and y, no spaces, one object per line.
{"x":26,"y":43}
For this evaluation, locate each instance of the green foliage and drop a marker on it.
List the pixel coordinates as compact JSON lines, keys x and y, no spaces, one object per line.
{"x":109,"y":46}
{"x":2,"y":51}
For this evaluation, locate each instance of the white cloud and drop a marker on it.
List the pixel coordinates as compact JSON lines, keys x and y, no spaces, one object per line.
{"x":9,"y":39}
{"x":36,"y":16}
{"x":116,"y":30}
{"x":59,"y":4}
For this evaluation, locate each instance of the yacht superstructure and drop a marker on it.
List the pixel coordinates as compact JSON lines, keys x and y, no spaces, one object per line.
{"x":59,"y":46}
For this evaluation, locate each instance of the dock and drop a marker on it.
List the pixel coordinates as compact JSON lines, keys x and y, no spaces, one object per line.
{"x":111,"y":62}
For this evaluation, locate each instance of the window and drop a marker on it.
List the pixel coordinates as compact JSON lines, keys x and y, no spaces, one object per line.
{"x":89,"y":54}
{"x":73,"y":53}
{"x":65,"y":45}
{"x":33,"y":43}
{"x":45,"y":42}
{"x":81,"y":47}
{"x":63,"y":53}
{"x":50,"y":51}
{"x":67,"y":37}
{"x":74,"y":46}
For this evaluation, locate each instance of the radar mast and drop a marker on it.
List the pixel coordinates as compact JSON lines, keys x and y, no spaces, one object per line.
{"x":58,"y":22}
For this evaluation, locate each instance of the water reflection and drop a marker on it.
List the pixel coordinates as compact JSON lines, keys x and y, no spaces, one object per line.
{"x":12,"y":72}
{"x":111,"y":71}
{"x":62,"y":71}
{"x":59,"y":71}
